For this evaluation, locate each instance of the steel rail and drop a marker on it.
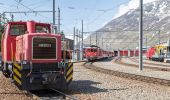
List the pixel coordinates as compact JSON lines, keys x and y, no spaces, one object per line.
{"x":66,"y":95}
{"x":142,"y":78}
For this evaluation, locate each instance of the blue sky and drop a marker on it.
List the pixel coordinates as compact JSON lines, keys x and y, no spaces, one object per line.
{"x":95,"y":13}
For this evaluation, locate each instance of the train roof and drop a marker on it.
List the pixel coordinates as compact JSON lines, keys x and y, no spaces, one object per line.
{"x":24,"y":22}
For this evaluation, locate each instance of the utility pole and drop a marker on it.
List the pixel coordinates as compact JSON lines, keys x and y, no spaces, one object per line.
{"x":79,"y":45}
{"x":58,"y":20}
{"x":82,"y":41}
{"x":0,"y":19}
{"x":102,"y":42}
{"x":141,"y":36}
{"x":3,"y":17}
{"x":96,"y":38}
{"x":79,"y":40}
{"x":76,"y":45}
{"x":12,"y":17}
{"x":159,"y":38}
{"x":90,"y":40}
{"x":54,"y":30}
{"x":77,"y":37}
{"x":146,"y":42}
{"x":74,"y":33}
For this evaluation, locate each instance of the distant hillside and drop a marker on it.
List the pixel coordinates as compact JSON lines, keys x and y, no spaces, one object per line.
{"x":122,"y":32}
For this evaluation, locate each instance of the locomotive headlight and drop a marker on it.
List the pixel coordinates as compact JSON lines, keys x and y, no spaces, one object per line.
{"x":24,"y":62}
{"x":10,"y":67}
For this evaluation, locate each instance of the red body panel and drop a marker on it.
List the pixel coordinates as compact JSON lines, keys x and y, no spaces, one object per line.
{"x":121,"y":53}
{"x":23,"y":49}
{"x":150,"y":52}
{"x":125,"y":53}
{"x":90,"y":54}
{"x":136,"y":53}
{"x":131,"y":53}
{"x":99,"y":54}
{"x":8,"y":45}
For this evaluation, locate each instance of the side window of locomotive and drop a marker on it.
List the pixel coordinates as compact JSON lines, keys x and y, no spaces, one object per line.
{"x":17,"y":29}
{"x":95,"y":50}
{"x":42,"y":29}
{"x":88,"y":50}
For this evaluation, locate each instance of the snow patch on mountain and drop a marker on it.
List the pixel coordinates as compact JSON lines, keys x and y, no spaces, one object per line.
{"x":125,"y":28}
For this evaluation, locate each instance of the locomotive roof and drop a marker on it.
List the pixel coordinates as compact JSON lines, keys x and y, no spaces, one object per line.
{"x":24,"y":22}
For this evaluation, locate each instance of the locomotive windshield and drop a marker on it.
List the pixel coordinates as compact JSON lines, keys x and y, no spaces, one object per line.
{"x":42,"y":29}
{"x":93,"y":50}
{"x":17,"y":29}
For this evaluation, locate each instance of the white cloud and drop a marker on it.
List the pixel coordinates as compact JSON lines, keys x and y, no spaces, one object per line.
{"x":133,"y":4}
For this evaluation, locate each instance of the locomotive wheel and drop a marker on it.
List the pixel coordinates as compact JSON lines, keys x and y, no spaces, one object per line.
{"x":1,"y":64}
{"x":5,"y":71}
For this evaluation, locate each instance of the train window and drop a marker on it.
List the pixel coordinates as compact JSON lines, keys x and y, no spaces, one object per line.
{"x":88,"y":50}
{"x":42,"y":29}
{"x":168,"y":49}
{"x":95,"y":50}
{"x":17,"y":29}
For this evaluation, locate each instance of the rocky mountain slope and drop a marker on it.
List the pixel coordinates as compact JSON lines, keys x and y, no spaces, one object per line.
{"x":122,"y":32}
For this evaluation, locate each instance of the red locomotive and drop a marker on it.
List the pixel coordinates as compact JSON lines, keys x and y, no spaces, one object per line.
{"x":31,"y":56}
{"x":95,"y":53}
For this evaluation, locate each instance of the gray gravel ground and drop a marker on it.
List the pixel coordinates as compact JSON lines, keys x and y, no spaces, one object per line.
{"x":91,"y":85}
{"x":8,"y":91}
{"x":133,"y":70}
{"x":149,"y":63}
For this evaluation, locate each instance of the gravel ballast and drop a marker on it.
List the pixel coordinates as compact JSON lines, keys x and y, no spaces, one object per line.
{"x":133,"y":70}
{"x":92,"y":85}
{"x":8,"y":91}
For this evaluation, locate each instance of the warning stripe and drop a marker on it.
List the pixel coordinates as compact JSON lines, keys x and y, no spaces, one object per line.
{"x":70,"y":77}
{"x":69,"y":74}
{"x":17,"y":80}
{"x":17,"y":72}
{"x":17,"y":66}
{"x":69,"y":71}
{"x":69,"y":65}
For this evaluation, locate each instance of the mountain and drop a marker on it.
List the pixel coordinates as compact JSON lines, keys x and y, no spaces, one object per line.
{"x":122,"y":32}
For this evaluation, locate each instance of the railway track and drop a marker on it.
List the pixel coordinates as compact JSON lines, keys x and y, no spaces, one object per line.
{"x":147,"y":65}
{"x":128,"y":75}
{"x":153,"y":63}
{"x":52,"y":94}
{"x":65,"y":95}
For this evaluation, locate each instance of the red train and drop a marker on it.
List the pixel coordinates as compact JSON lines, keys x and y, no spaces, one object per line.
{"x":159,"y":53}
{"x":31,"y":56}
{"x":95,"y":53}
{"x":128,"y":53}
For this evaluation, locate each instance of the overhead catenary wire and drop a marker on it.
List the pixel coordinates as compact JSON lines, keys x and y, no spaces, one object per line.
{"x":19,"y":3}
{"x":105,"y":11}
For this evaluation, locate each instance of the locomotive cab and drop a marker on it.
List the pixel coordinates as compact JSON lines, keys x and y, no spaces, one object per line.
{"x":31,"y":56}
